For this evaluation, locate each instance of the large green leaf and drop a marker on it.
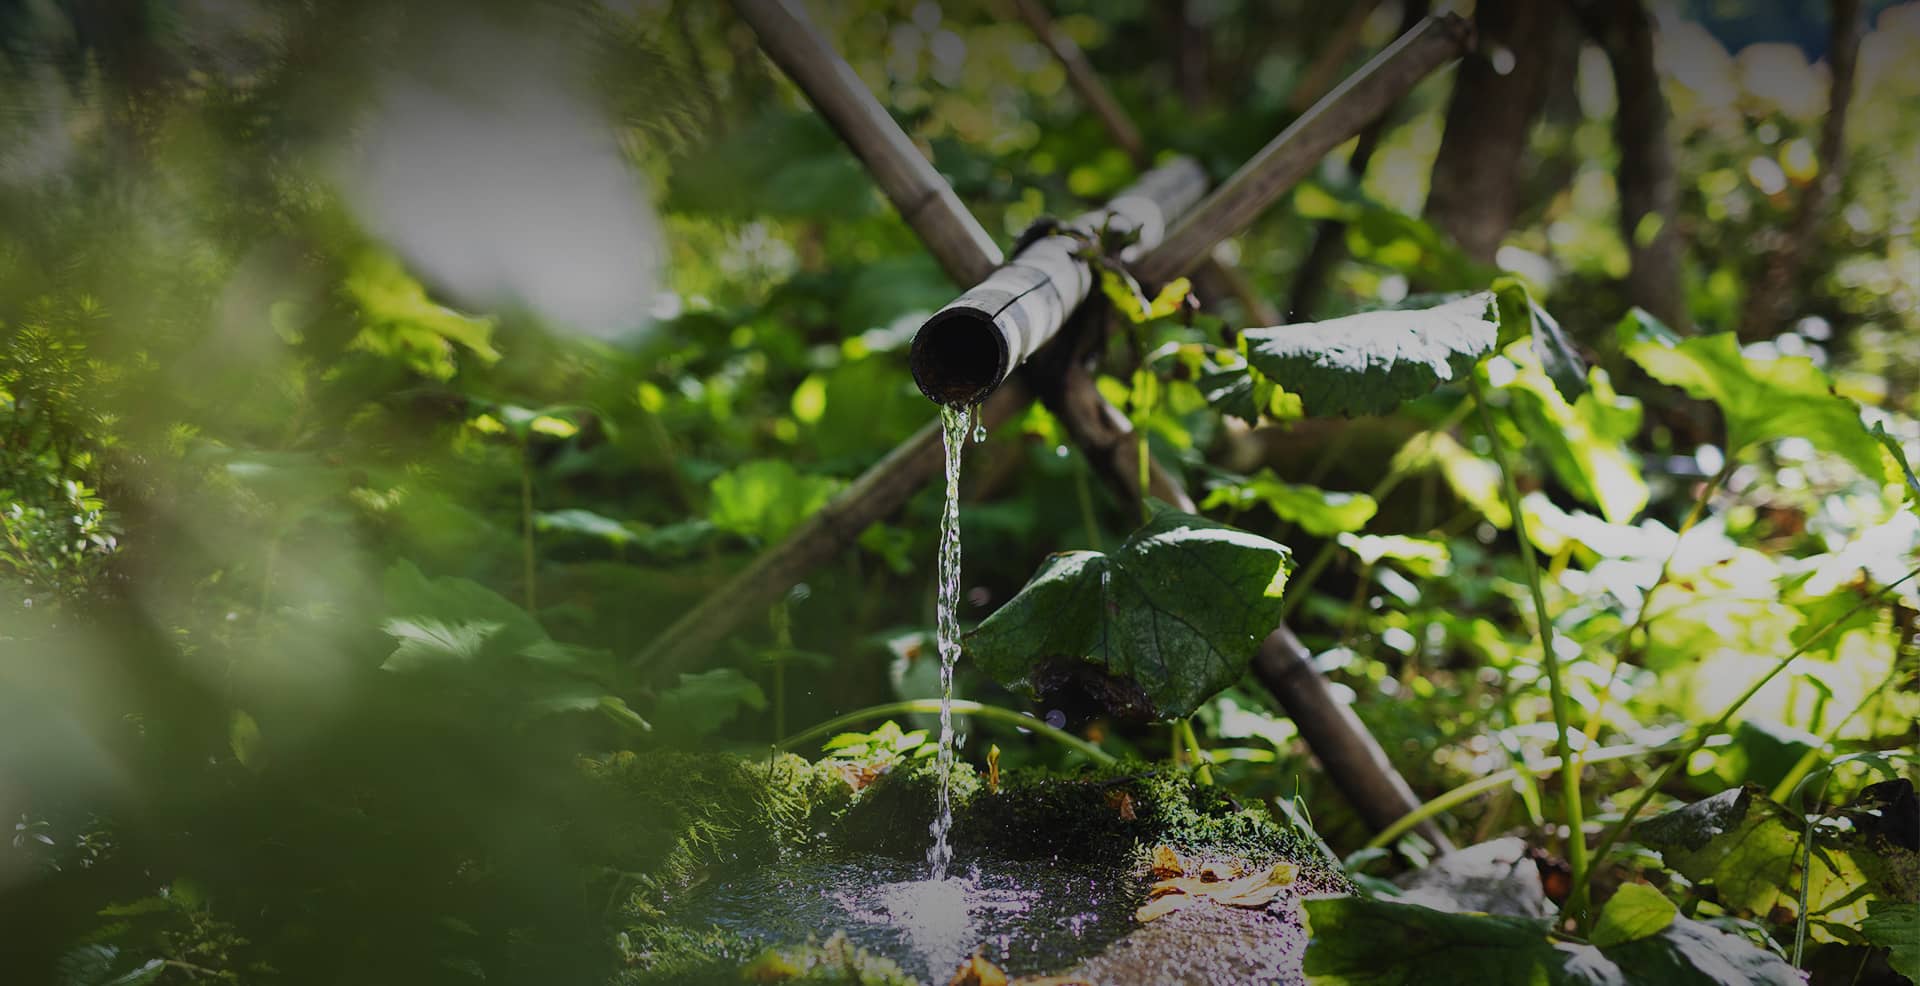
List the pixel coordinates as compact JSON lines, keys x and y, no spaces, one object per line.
{"x":1372,"y":362}
{"x":1762,"y":400}
{"x":1748,"y":848}
{"x":1319,"y":512}
{"x":1361,"y":942}
{"x":1152,"y":630}
{"x":450,"y":619}
{"x":1585,"y":441}
{"x":1635,"y":911}
{"x":1896,"y":927}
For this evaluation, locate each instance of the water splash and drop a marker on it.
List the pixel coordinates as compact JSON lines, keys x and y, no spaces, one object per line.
{"x":955,"y":423}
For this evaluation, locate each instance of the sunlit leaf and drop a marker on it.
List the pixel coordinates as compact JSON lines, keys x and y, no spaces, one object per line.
{"x":1899,"y":455}
{"x":1762,"y":400}
{"x":1471,"y":477}
{"x":1319,"y":512}
{"x":1154,"y":629}
{"x":1372,"y":362}
{"x":1585,"y":442}
{"x":1635,"y":911}
{"x":1421,"y":556}
{"x":767,"y":498}
{"x":1747,"y":848}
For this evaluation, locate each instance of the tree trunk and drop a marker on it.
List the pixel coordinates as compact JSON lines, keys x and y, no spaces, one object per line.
{"x":1475,"y":194}
{"x":1771,"y":302}
{"x":1649,"y":188}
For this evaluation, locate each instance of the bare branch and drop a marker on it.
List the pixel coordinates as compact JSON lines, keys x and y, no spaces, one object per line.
{"x":1298,"y":149}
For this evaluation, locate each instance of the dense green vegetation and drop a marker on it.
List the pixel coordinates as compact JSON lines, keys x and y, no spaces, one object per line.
{"x":377,"y":382}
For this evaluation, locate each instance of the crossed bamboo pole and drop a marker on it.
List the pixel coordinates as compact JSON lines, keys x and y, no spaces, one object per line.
{"x":1351,"y":757}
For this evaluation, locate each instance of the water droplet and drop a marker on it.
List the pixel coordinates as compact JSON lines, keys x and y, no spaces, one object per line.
{"x":979,"y":433}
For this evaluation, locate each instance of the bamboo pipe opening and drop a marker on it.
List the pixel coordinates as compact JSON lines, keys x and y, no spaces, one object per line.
{"x":959,"y":356}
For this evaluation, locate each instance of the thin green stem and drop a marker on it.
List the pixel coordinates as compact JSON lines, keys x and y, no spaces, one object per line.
{"x":1202,"y":773}
{"x":1804,"y":766}
{"x":927,"y":706}
{"x":1556,"y":684}
{"x":1719,"y":726}
{"x":1493,"y":782}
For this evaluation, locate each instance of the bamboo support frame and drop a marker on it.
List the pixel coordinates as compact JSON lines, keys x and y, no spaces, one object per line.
{"x":1349,"y":754}
{"x":1213,"y":279}
{"x":967,"y":348}
{"x":1299,"y":148}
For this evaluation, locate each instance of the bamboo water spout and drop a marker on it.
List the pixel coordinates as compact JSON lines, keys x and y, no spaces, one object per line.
{"x":969,"y":347}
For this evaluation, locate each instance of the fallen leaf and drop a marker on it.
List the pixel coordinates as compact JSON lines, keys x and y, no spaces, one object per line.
{"x":1160,"y":907}
{"x":1219,"y":871}
{"x":977,"y":971}
{"x":1166,"y":863}
{"x":993,"y":769}
{"x":1180,"y":885}
{"x":1121,"y":802}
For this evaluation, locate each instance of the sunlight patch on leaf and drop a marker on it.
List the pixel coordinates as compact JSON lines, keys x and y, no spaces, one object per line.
{"x":1372,"y":362}
{"x":1319,"y":512}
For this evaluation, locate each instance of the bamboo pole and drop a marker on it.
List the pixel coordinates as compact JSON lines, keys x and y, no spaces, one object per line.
{"x":1298,"y":149}
{"x":967,"y":348}
{"x":923,"y":198}
{"x":1095,"y":424}
{"x":1213,"y":279}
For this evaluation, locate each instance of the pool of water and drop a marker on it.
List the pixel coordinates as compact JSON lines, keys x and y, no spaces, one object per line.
{"x":1027,"y":917}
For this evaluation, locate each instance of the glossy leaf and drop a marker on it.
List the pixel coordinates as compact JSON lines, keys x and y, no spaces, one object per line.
{"x":1372,"y":362}
{"x":1153,"y":629}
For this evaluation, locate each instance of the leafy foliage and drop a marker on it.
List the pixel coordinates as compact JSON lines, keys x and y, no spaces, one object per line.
{"x":1762,"y":400}
{"x":1358,"y":941}
{"x":1154,"y":629}
{"x":1372,"y":362}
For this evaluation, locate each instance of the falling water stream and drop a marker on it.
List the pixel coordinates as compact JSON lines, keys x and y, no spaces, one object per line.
{"x":955,"y":424}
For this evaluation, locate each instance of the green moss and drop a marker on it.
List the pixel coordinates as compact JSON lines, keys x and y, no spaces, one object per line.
{"x":891,"y":816}
{"x":675,"y":814}
{"x":668,"y":953}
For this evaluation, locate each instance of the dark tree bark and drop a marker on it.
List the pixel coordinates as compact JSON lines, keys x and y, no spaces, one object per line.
{"x":1770,"y":303}
{"x":1649,"y":187}
{"x":1475,"y":195}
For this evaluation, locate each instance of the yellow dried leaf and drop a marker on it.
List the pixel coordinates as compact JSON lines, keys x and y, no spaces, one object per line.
{"x":1162,"y":906}
{"x":1179,"y":885}
{"x":1121,"y":802}
{"x":1219,"y":871}
{"x":993,"y":768}
{"x":1167,"y":863}
{"x":977,"y":971}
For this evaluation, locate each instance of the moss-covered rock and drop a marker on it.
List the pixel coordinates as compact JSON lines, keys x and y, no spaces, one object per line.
{"x":675,"y":814}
